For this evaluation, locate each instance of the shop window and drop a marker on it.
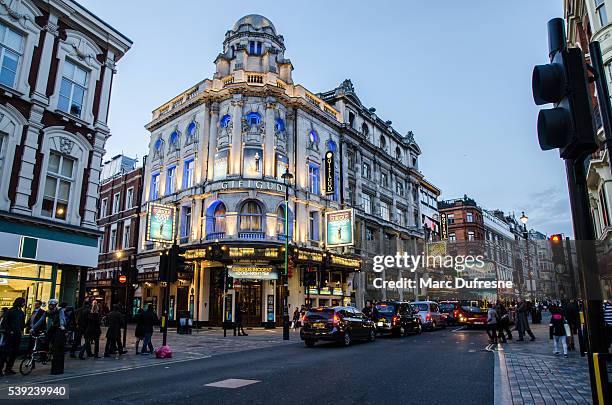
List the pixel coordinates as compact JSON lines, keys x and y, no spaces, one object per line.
{"x":251,"y":217}
{"x":58,"y":185}
{"x":188,"y":168}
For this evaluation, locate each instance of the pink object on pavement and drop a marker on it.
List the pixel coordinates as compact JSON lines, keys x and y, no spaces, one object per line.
{"x":163,"y":352}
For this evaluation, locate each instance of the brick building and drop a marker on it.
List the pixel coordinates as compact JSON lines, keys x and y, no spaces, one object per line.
{"x":119,"y":221}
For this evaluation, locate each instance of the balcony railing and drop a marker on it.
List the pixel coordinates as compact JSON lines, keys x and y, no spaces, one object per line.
{"x":215,"y":235}
{"x":251,"y":235}
{"x":283,"y":237}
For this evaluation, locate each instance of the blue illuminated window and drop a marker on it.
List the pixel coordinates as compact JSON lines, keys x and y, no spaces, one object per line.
{"x":254,"y":48}
{"x":225,"y":120}
{"x":253,"y":118}
{"x":331,"y":146}
{"x":313,"y":178}
{"x":158,"y":144}
{"x":191,"y":129}
{"x":313,"y":137}
{"x":170,"y":180}
{"x":188,"y":172}
{"x":279,"y":125}
{"x":174,"y":138}
{"x":154,"y":194}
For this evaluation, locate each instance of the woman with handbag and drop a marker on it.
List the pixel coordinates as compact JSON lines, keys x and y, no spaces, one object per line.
{"x":558,"y":331}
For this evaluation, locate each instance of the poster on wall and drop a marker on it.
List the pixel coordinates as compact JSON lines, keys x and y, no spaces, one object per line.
{"x":339,"y":230}
{"x":221,"y":164}
{"x":160,"y":223}
{"x":253,"y":163}
{"x":282,"y":162}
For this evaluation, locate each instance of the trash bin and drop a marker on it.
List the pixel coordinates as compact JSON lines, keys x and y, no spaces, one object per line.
{"x":185,"y":323}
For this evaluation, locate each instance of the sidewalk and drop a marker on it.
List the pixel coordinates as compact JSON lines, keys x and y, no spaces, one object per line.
{"x":203,"y":343}
{"x":528,"y":372}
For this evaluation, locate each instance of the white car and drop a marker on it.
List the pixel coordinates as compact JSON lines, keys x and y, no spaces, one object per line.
{"x":430,"y":315}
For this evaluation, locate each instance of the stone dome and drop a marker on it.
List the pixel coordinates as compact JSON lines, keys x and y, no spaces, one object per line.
{"x":258,"y":22}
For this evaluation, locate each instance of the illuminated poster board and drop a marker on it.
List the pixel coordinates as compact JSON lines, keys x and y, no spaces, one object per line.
{"x":340,"y":228}
{"x":253,"y":163}
{"x":282,"y":162}
{"x":160,"y":223}
{"x":221,"y":164}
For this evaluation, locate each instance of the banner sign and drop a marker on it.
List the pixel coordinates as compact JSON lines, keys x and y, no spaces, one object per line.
{"x":443,"y":226}
{"x":160,"y":223}
{"x":253,"y":272}
{"x":221,"y":164}
{"x":339,"y":228}
{"x":330,"y":184}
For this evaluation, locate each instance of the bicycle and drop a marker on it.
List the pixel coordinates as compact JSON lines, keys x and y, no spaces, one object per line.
{"x":37,"y":355}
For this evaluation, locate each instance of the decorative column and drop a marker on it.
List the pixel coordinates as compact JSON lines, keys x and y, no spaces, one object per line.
{"x":51,"y":32}
{"x":269,"y":158}
{"x":23,"y":199}
{"x":212,"y":141}
{"x":236,"y":151}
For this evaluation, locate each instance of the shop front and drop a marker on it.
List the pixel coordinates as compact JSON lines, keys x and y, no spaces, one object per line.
{"x":29,"y":280}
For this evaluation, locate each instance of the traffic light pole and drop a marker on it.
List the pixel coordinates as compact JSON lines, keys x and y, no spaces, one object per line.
{"x":589,"y":276}
{"x":286,"y":275}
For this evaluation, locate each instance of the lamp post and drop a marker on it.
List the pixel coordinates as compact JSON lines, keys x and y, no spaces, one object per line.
{"x":119,"y":255}
{"x":287,"y":177}
{"x":524,"y":218}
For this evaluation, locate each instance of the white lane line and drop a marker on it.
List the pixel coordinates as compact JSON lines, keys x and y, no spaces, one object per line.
{"x":116,"y":370}
{"x":232,"y":383}
{"x":458,"y":329}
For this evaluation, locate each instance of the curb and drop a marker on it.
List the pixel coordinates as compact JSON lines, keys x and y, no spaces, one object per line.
{"x":501,"y":383}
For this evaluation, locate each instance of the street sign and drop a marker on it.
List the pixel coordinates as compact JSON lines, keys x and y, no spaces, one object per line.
{"x":122,"y":279}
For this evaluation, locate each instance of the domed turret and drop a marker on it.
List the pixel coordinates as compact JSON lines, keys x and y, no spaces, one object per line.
{"x":256,"y":22}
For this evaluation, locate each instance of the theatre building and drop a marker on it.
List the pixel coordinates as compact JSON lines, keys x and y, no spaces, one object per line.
{"x":57,"y":62}
{"x":224,"y":155}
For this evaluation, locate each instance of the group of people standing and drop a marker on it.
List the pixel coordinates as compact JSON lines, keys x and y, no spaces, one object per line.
{"x":498,"y":322}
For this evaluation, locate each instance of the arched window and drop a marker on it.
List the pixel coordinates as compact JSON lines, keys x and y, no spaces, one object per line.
{"x":158,"y":144}
{"x":191,"y":129}
{"x":398,"y":152}
{"x":280,"y":221}
{"x":251,"y":217}
{"x":253,"y":118}
{"x":219,"y":218}
{"x":174,"y":136}
{"x":225,"y":120}
{"x":383,"y":142}
{"x":331,"y":145}
{"x":313,"y":137}
{"x":279,"y":125}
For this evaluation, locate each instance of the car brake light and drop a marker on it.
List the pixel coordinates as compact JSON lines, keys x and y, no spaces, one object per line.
{"x":395,"y":319}
{"x":456,"y":312}
{"x":428,"y":317}
{"x":336,"y":319}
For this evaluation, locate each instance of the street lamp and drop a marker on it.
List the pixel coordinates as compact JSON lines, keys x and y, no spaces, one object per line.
{"x":524,"y":218}
{"x":287,"y":177}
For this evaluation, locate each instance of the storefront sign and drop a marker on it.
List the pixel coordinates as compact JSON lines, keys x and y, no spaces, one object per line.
{"x":313,"y":291}
{"x":324,"y":291}
{"x":160,"y":223}
{"x":443,"y":226}
{"x":345,"y":261}
{"x":248,"y":184}
{"x":337,"y":291}
{"x":253,"y":272}
{"x":339,"y":228}
{"x":330,"y":183}
{"x":310,"y":256}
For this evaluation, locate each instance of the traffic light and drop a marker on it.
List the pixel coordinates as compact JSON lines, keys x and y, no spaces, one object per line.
{"x":163,"y":266}
{"x":563,"y":82}
{"x":220,"y":279}
{"x":229,"y":283}
{"x":310,"y":277}
{"x":558,"y":253}
{"x":177,"y":262}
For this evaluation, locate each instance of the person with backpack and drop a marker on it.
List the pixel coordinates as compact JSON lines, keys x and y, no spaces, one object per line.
{"x":557,"y":331}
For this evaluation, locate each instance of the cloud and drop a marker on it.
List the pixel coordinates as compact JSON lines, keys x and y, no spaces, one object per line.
{"x":548,"y":211}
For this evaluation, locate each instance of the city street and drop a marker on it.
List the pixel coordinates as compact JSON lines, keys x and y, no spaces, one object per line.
{"x":429,"y":368}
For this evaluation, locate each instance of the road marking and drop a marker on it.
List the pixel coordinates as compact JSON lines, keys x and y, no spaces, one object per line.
{"x":232,"y":383}
{"x":458,"y":329}
{"x":116,"y":370}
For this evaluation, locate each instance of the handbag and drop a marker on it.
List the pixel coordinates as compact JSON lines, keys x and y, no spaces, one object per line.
{"x":568,"y":331}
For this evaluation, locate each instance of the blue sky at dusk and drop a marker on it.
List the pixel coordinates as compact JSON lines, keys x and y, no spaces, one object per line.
{"x":457,"y":73}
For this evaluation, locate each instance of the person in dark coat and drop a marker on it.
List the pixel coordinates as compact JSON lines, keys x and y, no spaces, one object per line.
{"x":148,"y":320}
{"x":557,"y":331}
{"x":36,"y":321}
{"x":91,"y":331}
{"x":138,"y":331}
{"x":13,"y":323}
{"x":56,"y":331}
{"x":114,"y":321}
{"x":522,"y":322}
{"x":239,"y":316}
{"x":3,"y":348}
{"x":504,"y":321}
{"x":80,"y":322}
{"x":572,"y":317}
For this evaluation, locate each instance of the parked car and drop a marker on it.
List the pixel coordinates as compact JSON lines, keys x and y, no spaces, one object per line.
{"x":429,"y":311}
{"x":470,"y":316}
{"x":336,"y":324}
{"x":397,"y":318}
{"x":451,"y":310}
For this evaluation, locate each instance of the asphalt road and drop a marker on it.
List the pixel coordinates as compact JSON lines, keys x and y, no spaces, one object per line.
{"x":441,"y":367}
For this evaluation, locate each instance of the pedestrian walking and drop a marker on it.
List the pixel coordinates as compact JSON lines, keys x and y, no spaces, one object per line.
{"x":296,"y":318}
{"x":138,"y":331}
{"x":114,"y":321}
{"x":492,"y":324}
{"x":13,"y":323}
{"x":56,"y":331}
{"x":239,"y":315}
{"x":92,"y":331}
{"x":504,"y":321}
{"x":148,"y":320}
{"x":78,"y":323}
{"x":557,"y":331}
{"x":522,"y":321}
{"x":571,"y":313}
{"x":3,"y":340}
